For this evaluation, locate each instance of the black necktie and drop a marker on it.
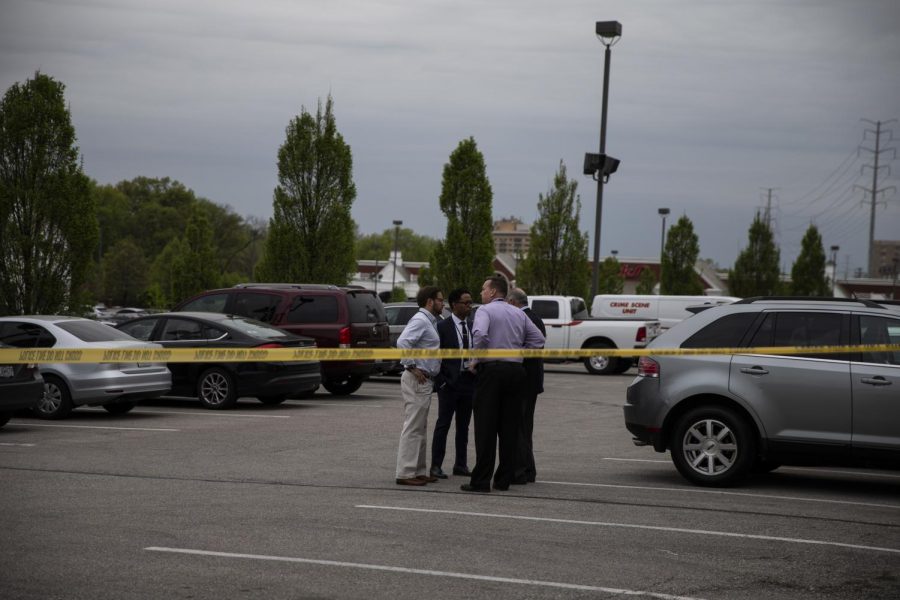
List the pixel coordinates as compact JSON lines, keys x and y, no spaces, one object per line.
{"x":465,"y":340}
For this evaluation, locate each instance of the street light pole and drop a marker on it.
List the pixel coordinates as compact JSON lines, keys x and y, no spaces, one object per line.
{"x":397,"y":225}
{"x":663,"y":212}
{"x":834,"y":251}
{"x":609,"y":32}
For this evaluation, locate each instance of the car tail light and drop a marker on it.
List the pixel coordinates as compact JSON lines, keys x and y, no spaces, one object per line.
{"x":647,"y":367}
{"x":344,"y":338}
{"x":641,"y":335}
{"x":270,"y":345}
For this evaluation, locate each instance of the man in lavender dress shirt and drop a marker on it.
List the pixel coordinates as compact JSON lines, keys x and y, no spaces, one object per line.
{"x":498,"y":385}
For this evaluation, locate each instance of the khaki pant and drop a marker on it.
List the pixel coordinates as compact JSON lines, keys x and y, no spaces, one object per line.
{"x":414,"y":435}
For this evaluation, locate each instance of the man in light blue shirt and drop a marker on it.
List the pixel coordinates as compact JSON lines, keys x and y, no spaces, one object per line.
{"x":416,"y":385}
{"x":498,"y":386}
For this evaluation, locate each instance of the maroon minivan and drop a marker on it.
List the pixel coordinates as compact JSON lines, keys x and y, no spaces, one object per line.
{"x":336,"y":317}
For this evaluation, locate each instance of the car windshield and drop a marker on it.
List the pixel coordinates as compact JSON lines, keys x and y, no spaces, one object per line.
{"x":257,"y":328}
{"x":91,"y":331}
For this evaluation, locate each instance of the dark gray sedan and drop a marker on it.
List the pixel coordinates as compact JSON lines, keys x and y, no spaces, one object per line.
{"x":219,"y":385}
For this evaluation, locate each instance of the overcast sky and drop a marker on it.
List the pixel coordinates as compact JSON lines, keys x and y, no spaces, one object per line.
{"x":710,"y":103}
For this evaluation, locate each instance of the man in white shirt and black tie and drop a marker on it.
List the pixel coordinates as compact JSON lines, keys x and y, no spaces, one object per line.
{"x":455,"y":385}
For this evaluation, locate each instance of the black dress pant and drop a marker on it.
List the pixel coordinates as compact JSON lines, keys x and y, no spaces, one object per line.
{"x":452,"y":401}
{"x":525,"y":469}
{"x":498,"y":413}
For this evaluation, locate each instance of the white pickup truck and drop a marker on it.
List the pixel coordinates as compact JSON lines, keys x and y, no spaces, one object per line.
{"x":569,"y":326}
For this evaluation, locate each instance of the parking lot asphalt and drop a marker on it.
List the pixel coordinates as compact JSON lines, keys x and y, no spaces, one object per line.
{"x":299,"y":501}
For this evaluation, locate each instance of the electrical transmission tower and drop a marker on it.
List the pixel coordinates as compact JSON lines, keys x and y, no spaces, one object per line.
{"x":875,"y":191}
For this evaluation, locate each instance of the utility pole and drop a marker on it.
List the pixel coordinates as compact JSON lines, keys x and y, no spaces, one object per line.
{"x":874,"y":190}
{"x":769,"y":207}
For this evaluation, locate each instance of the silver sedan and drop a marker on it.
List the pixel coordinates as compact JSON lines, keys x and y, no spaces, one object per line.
{"x":115,"y":386}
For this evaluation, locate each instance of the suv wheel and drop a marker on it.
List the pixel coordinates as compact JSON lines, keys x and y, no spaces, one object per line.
{"x":600,"y":365}
{"x":216,"y":389}
{"x":343,"y":386}
{"x":712,"y":445}
{"x":56,"y":403}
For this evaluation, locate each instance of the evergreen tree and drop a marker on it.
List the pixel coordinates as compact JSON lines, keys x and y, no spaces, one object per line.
{"x":557,"y":253}
{"x":465,"y":257}
{"x":311,"y":234}
{"x":48,"y":226}
{"x":756,"y":270}
{"x":647,"y":282}
{"x":197,"y":261}
{"x":678,"y":260}
{"x":610,"y":279}
{"x":808,"y":273}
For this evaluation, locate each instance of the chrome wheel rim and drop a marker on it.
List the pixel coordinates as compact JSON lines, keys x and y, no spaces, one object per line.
{"x":214,"y":389}
{"x":599,"y":362}
{"x":51,"y":400}
{"x":710,"y":447}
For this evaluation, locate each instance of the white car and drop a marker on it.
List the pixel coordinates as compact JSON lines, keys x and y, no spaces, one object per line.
{"x":115,"y":386}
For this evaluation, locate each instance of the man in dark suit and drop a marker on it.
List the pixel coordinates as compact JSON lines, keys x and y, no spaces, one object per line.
{"x":455,"y":385}
{"x":534,"y":371}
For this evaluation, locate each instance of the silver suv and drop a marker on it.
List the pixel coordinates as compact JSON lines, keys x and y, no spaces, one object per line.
{"x":724,"y":416}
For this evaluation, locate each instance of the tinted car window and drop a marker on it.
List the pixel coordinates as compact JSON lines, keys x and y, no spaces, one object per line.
{"x":400,"y":315}
{"x":256,"y":306}
{"x":26,"y":335}
{"x":182,"y":330}
{"x":579,"y":310}
{"x":92,"y":331}
{"x":258,"y":329}
{"x":209,"y":303}
{"x":313,"y":309}
{"x":140,"y":329}
{"x":365,"y":308}
{"x":545,"y":309}
{"x":879,"y":330}
{"x":726,"y":332}
{"x":800,"y":329}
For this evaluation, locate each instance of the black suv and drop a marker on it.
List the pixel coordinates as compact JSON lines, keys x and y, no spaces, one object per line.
{"x":336,"y":317}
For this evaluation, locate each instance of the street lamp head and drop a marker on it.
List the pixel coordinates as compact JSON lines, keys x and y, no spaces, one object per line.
{"x":663,"y":211}
{"x":609,"y":32}
{"x":398,"y":223}
{"x":835,"y":248}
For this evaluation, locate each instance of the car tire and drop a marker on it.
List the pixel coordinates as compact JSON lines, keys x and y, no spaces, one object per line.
{"x":216,"y":389}
{"x":56,"y":402}
{"x":600,"y":364}
{"x":272,"y":399}
{"x":4,"y":418}
{"x":713,"y":446}
{"x":119,"y":408}
{"x":343,"y":386}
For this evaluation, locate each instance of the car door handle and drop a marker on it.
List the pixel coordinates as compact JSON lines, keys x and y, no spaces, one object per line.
{"x":755,"y":371}
{"x":878,"y":380}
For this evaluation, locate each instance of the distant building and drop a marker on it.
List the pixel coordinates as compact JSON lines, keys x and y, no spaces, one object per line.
{"x":511,"y":236}
{"x":885,"y":259}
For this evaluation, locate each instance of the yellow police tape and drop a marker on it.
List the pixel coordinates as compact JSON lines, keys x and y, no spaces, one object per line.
{"x":188,"y":355}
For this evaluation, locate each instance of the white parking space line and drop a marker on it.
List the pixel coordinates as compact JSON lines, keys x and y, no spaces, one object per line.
{"x":209,"y":413}
{"x":810,"y":469}
{"x":646,"y":460}
{"x":89,"y":427}
{"x":301,"y":403}
{"x":768,"y":538}
{"x":722,"y":493}
{"x":18,"y":445}
{"x":455,"y":575}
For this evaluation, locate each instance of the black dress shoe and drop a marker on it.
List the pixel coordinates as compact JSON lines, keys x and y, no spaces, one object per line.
{"x":462,"y":471}
{"x":438,"y":472}
{"x":500,"y":487}
{"x":520,"y":481}
{"x":468,"y":487}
